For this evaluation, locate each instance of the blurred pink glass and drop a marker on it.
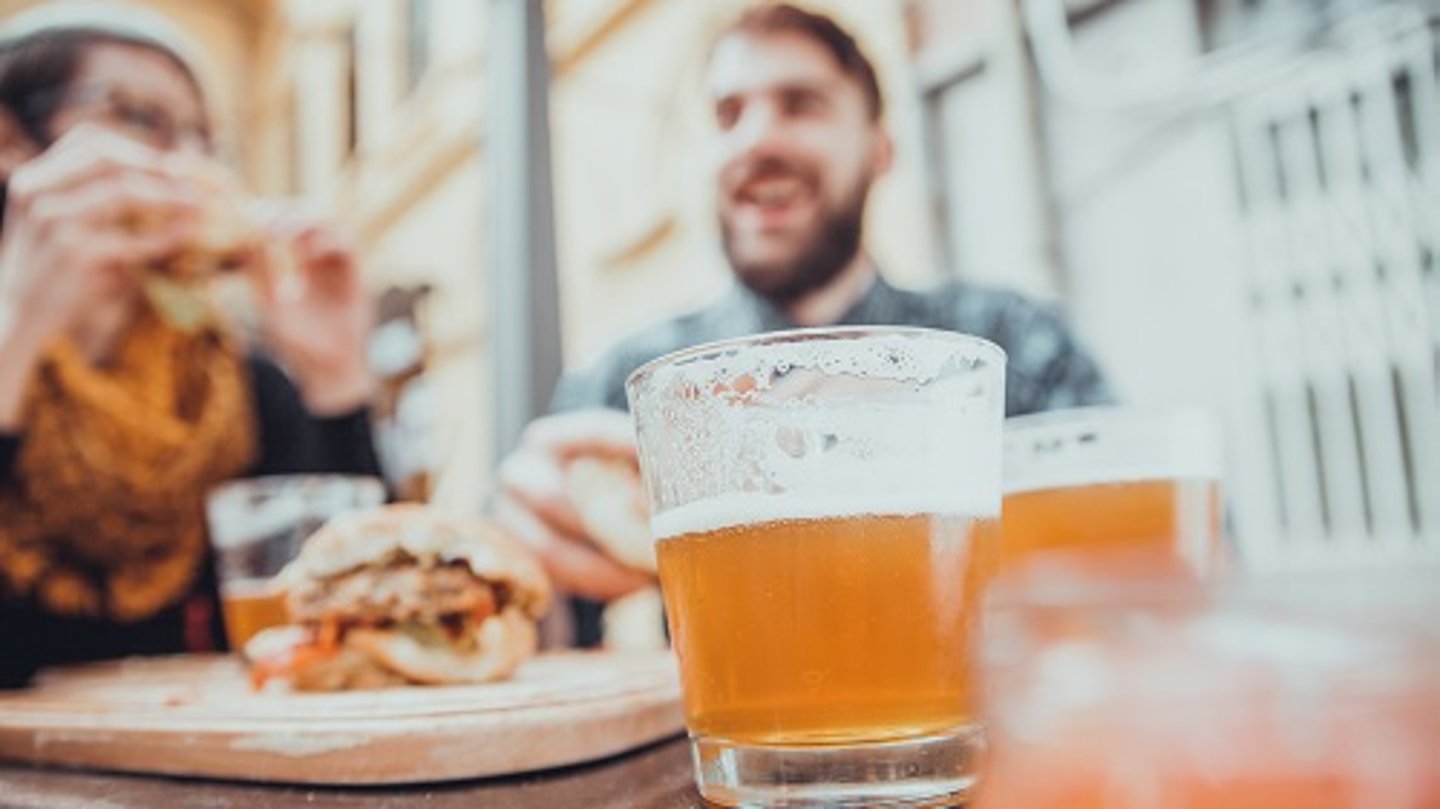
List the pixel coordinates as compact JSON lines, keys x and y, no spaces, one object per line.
{"x":1141,"y":690}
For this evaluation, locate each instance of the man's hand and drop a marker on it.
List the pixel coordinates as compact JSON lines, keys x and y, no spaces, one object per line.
{"x":533,"y":503}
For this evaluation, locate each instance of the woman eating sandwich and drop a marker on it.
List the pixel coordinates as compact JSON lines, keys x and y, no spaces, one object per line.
{"x":122,"y":401}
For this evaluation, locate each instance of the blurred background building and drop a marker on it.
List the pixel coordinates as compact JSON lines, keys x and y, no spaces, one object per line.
{"x":1233,"y":201}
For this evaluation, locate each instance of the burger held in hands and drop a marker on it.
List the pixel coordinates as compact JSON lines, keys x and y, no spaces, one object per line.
{"x":607,"y":495}
{"x":228,"y":237}
{"x":403,"y":595}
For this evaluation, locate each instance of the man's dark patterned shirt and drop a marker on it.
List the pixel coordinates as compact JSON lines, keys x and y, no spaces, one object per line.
{"x":1046,"y":369}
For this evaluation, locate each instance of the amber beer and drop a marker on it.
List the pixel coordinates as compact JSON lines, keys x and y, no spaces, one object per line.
{"x":826,"y":630}
{"x":257,"y":526}
{"x":1124,"y":483}
{"x":1178,"y":518}
{"x":825,"y":505}
{"x":249,"y":606}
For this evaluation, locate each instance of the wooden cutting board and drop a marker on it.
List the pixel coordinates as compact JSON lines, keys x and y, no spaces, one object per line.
{"x":197,"y":716}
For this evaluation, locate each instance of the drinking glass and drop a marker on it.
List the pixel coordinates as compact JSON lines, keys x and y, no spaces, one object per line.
{"x":1128,"y":688}
{"x":825,"y":504}
{"x":257,"y":526}
{"x":1114,"y":481}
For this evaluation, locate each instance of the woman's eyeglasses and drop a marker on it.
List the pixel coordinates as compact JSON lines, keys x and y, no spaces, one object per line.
{"x":147,"y":121}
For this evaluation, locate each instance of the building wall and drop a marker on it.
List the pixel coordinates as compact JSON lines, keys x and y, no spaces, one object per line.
{"x":411,"y":187}
{"x":321,"y":104}
{"x":634,"y":205}
{"x":1140,"y":206}
{"x":1146,"y":205}
{"x":634,"y":225}
{"x":1152,"y":240}
{"x":1264,"y":303}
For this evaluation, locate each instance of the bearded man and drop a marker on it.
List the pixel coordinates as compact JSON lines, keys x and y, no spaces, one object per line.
{"x":798,"y":141}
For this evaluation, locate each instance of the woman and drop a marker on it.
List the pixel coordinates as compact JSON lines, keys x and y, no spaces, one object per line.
{"x":114,"y":423}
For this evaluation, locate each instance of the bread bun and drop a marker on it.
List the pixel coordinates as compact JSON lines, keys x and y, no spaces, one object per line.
{"x":404,"y":594}
{"x":227,"y":237}
{"x":606,"y":492}
{"x":379,"y":536}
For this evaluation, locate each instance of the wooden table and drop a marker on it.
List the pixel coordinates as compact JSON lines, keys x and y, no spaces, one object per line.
{"x":655,"y":777}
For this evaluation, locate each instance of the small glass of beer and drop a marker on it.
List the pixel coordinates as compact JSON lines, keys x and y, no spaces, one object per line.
{"x":258,"y":525}
{"x":825,"y":504}
{"x":1113,"y":482}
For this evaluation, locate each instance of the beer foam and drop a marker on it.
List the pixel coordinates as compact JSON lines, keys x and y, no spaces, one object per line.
{"x":1110,"y":445}
{"x":808,"y":424}
{"x":745,"y":508}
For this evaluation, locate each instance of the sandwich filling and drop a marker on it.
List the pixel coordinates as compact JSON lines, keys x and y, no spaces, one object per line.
{"x":421,"y":620}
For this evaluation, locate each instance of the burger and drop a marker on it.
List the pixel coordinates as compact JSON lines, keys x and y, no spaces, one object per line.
{"x":228,"y":238}
{"x":403,"y":595}
{"x":608,"y":496}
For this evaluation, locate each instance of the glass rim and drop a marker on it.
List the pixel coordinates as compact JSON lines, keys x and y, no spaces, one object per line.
{"x":986,"y":349}
{"x":1104,"y":414}
{"x":1105,"y":444}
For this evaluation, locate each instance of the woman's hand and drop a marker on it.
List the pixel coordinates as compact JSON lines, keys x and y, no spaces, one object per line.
{"x":317,"y":313}
{"x":75,"y":234}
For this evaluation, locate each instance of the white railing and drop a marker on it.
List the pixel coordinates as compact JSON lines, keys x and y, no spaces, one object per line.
{"x":1335,"y":123}
{"x":1339,"y":163}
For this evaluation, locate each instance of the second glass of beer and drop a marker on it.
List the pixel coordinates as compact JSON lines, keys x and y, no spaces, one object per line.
{"x":826,"y":504}
{"x":1113,"y":485}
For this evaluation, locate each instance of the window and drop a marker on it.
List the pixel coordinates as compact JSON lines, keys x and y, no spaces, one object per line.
{"x":418,"y":52}
{"x":1342,"y":293}
{"x":352,"y":90}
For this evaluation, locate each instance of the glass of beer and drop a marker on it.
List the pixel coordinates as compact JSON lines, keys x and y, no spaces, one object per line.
{"x":258,"y":525}
{"x":1280,"y":692}
{"x":825,"y":504}
{"x":1114,"y":482}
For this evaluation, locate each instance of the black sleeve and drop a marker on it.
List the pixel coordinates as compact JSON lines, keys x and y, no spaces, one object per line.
{"x":293,"y":441}
{"x":32,"y":638}
{"x":9,"y":454}
{"x":17,"y":660}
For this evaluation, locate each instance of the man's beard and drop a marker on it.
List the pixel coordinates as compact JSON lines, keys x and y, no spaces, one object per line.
{"x":827,"y":250}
